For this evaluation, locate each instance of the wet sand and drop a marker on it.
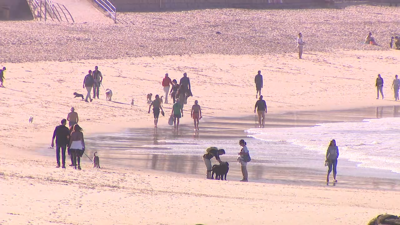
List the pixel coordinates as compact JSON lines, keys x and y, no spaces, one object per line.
{"x":142,"y":149}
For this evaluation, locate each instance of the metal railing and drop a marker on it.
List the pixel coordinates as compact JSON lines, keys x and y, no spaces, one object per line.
{"x":46,"y":9}
{"x":109,"y":8}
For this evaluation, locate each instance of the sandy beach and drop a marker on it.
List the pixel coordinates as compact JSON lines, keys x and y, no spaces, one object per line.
{"x":46,"y":63}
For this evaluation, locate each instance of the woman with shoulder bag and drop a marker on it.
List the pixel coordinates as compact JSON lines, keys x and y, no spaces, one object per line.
{"x":332,"y":154}
{"x":77,"y":145}
{"x":243,"y":159}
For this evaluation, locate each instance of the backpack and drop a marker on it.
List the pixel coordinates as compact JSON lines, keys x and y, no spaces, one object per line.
{"x":332,"y":153}
{"x":89,"y":80}
{"x":246,"y":157}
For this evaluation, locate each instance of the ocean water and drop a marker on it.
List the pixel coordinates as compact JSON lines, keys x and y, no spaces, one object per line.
{"x":371,"y":143}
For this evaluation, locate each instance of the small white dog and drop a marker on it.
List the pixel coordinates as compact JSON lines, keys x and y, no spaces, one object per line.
{"x":108,"y":94}
{"x":31,"y":119}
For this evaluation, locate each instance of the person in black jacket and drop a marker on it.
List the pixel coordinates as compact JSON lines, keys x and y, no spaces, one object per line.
{"x":332,"y":154}
{"x":61,"y":133}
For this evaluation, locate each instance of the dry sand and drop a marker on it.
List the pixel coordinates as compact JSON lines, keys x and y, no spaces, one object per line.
{"x":46,"y":63}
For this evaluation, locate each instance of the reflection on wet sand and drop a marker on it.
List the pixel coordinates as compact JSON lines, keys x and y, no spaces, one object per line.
{"x":145,"y":148}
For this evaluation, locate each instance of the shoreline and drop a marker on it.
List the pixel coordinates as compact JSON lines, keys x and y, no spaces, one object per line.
{"x":148,"y":154}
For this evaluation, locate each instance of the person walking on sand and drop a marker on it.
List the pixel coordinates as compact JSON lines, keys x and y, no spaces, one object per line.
{"x":77,"y":146}
{"x":156,"y":109}
{"x":332,"y":155}
{"x":72,"y":117}
{"x":185,"y":88}
{"x":177,"y":112}
{"x":261,"y":109}
{"x":2,"y":78}
{"x":210,"y":153}
{"x":174,"y":90}
{"x":395,"y":86}
{"x":61,"y":134}
{"x":88,"y":83}
{"x":165,"y":83}
{"x":379,"y":86}
{"x":243,"y":159}
{"x":98,"y":78}
{"x":259,"y":83}
{"x":196,"y":114}
{"x":300,"y":44}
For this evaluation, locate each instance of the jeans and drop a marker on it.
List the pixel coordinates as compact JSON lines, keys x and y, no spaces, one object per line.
{"x":89,"y":89}
{"x":96,"y":90}
{"x":332,"y":164}
{"x":379,"y":89}
{"x":396,"y":93}
{"x":62,"y":148}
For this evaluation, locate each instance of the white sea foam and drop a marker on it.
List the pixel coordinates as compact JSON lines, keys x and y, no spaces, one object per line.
{"x":373,"y":143}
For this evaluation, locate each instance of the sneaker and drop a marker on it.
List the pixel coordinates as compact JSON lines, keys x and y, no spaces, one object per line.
{"x":79,"y":167}
{"x":58,"y":166}
{"x":86,"y":101}
{"x":63,"y":166}
{"x":71,"y":165}
{"x":91,"y":100}
{"x":335,"y":181}
{"x":243,"y":180}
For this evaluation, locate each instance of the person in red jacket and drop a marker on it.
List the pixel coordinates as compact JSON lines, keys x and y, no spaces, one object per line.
{"x":165,"y":83}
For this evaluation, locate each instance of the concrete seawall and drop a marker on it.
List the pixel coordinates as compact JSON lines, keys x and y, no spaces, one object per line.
{"x":14,"y":9}
{"x":161,"y":5}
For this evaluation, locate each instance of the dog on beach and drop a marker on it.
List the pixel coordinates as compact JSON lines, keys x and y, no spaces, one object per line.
{"x":220,"y":171}
{"x":133,"y":102}
{"x":31,"y":119}
{"x":108,"y":94}
{"x":96,"y":161}
{"x":149,"y":96}
{"x":77,"y":95}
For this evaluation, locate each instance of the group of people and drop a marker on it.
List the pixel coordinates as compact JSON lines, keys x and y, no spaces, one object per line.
{"x":243,"y":159}
{"x":395,"y":86}
{"x":331,"y":160}
{"x":395,"y":42}
{"x":69,"y":138}
{"x":179,"y":94}
{"x":93,"y":81}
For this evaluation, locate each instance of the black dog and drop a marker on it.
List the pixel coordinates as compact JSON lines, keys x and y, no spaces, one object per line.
{"x":77,"y":95}
{"x":96,"y":161}
{"x":220,"y":171}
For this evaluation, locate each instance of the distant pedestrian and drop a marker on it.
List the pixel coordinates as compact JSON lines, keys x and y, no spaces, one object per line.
{"x":379,"y":86}
{"x":174,"y":90}
{"x":77,"y":146}
{"x":332,"y":155}
{"x":196,"y":114}
{"x":185,"y":88}
{"x":243,"y":159}
{"x":61,"y":134}
{"x":300,"y":44}
{"x":259,"y":83}
{"x":157,"y":108}
{"x":98,"y":78}
{"x":2,"y":77}
{"x":177,"y":112}
{"x":261,"y":109}
{"x":395,"y":86}
{"x":88,"y":82}
{"x":72,"y":118}
{"x":391,"y":43}
{"x":165,"y":83}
